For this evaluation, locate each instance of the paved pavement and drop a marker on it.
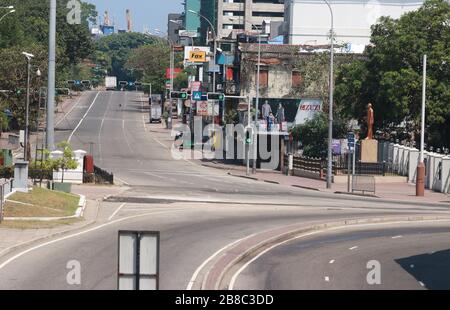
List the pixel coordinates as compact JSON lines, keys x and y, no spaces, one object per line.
{"x":400,"y":191}
{"x":197,"y":209}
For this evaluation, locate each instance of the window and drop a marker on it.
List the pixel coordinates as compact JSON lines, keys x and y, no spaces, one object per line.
{"x":296,"y":79}
{"x":263,"y":78}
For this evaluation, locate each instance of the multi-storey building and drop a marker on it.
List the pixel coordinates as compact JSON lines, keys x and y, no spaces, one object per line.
{"x":309,"y":21}
{"x":174,"y":25}
{"x":237,"y":16}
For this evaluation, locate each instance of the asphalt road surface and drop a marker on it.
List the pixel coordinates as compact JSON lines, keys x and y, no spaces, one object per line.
{"x":197,"y":209}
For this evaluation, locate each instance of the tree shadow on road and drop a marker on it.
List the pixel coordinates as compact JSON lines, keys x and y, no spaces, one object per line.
{"x":432,"y":269}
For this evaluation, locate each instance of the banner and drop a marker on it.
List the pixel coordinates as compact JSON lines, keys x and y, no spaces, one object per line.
{"x":307,"y":109}
{"x":197,"y":56}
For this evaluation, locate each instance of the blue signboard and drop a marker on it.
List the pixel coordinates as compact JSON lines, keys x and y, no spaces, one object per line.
{"x":197,"y":95}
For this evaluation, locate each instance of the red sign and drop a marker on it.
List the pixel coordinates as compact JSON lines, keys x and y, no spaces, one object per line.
{"x":196,"y":86}
{"x":176,"y":71}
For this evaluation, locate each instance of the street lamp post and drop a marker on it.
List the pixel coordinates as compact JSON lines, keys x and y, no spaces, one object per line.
{"x":330,"y":117}
{"x":50,"y":138}
{"x":214,"y":42}
{"x":420,"y":178}
{"x":25,"y":148}
{"x":214,"y":62}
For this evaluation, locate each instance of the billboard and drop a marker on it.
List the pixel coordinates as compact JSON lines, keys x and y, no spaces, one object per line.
{"x":307,"y":109}
{"x":197,"y":49}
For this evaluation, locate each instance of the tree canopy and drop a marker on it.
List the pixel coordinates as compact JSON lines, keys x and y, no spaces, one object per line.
{"x":391,"y":78}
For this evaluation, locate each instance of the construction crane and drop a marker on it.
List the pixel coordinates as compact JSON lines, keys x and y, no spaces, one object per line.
{"x":129,"y":22}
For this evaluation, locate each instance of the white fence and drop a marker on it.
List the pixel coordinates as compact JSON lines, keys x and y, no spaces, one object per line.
{"x":405,"y":159}
{"x":6,"y":189}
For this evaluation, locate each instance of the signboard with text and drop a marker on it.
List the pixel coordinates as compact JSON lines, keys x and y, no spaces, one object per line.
{"x":197,"y":56}
{"x":307,"y":109}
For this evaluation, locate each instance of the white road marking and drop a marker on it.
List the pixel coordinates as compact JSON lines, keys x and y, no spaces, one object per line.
{"x":396,"y":237}
{"x":117,"y":210}
{"x":421,"y":283}
{"x":70,"y":111}
{"x":82,"y":119}
{"x":353,"y":248}
{"x":197,"y":271}
{"x":327,"y":279}
{"x":233,"y":279}
{"x":121,"y":180}
{"x":125,"y":135}
{"x":332,"y":261}
{"x":7,"y":262}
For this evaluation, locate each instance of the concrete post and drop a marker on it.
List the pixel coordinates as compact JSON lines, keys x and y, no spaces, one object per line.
{"x":21,"y":176}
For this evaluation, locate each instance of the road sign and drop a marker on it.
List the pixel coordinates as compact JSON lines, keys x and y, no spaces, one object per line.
{"x":197,"y":95}
{"x":196,"y":86}
{"x":351,"y":140}
{"x":138,"y":260}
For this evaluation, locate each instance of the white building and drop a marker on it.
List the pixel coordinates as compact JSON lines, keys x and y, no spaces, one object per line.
{"x":309,"y":21}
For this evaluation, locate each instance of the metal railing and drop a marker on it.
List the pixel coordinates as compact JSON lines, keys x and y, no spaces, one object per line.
{"x":363,"y":183}
{"x":103,"y":176}
{"x":6,"y":187}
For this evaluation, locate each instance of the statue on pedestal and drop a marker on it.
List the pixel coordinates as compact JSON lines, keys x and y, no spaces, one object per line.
{"x":370,"y":122}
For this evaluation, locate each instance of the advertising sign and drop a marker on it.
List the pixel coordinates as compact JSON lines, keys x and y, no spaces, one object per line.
{"x":188,"y":49}
{"x":336,"y":146}
{"x":307,"y":109}
{"x":197,"y":56}
{"x":202,"y":108}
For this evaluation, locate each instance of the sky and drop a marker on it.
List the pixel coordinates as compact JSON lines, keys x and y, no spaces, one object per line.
{"x":145,"y":13}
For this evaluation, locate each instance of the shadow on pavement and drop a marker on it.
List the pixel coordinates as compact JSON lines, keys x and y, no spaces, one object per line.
{"x":433,"y":270}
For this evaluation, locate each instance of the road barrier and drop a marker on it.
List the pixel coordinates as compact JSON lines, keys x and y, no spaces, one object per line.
{"x":103,"y":176}
{"x":363,"y":183}
{"x":6,"y":188}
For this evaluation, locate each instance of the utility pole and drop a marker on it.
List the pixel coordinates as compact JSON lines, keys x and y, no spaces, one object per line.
{"x":330,"y":115}
{"x":27,"y":109}
{"x":420,"y":179}
{"x":50,"y":141}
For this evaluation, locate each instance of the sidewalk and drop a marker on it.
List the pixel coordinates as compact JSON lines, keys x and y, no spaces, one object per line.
{"x":404,"y":192}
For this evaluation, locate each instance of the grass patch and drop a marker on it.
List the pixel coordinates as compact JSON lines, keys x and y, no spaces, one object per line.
{"x":38,"y":224}
{"x":41,"y":202}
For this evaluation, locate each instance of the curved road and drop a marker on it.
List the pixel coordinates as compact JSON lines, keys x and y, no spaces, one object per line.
{"x":160,"y":197}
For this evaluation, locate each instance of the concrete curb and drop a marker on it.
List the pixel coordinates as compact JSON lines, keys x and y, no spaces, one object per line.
{"x":357,"y":197}
{"x":218,"y":275}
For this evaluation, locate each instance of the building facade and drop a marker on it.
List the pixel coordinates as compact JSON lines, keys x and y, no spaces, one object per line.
{"x":192,"y":21}
{"x":309,"y":21}
{"x":174,"y":25}
{"x":237,"y":16}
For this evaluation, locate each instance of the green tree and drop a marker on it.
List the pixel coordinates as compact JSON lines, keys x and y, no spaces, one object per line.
{"x":67,"y":160}
{"x":152,"y":61}
{"x":313,"y":134}
{"x":392,"y":75}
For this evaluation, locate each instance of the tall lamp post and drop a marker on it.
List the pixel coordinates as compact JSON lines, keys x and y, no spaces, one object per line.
{"x":420,"y":178}
{"x":214,"y":57}
{"x":25,"y":148}
{"x":50,"y":137}
{"x":330,"y":117}
{"x":214,"y":41}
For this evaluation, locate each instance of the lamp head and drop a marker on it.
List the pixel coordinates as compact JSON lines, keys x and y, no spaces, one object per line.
{"x":28,"y":55}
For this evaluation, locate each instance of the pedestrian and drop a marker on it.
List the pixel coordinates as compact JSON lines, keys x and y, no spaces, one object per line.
{"x":280,"y":114}
{"x":270,"y":121}
{"x":266,"y":109}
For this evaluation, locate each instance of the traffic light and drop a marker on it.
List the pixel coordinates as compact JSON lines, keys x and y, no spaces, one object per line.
{"x":216,"y":96}
{"x":248,"y":135}
{"x":178,"y":95}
